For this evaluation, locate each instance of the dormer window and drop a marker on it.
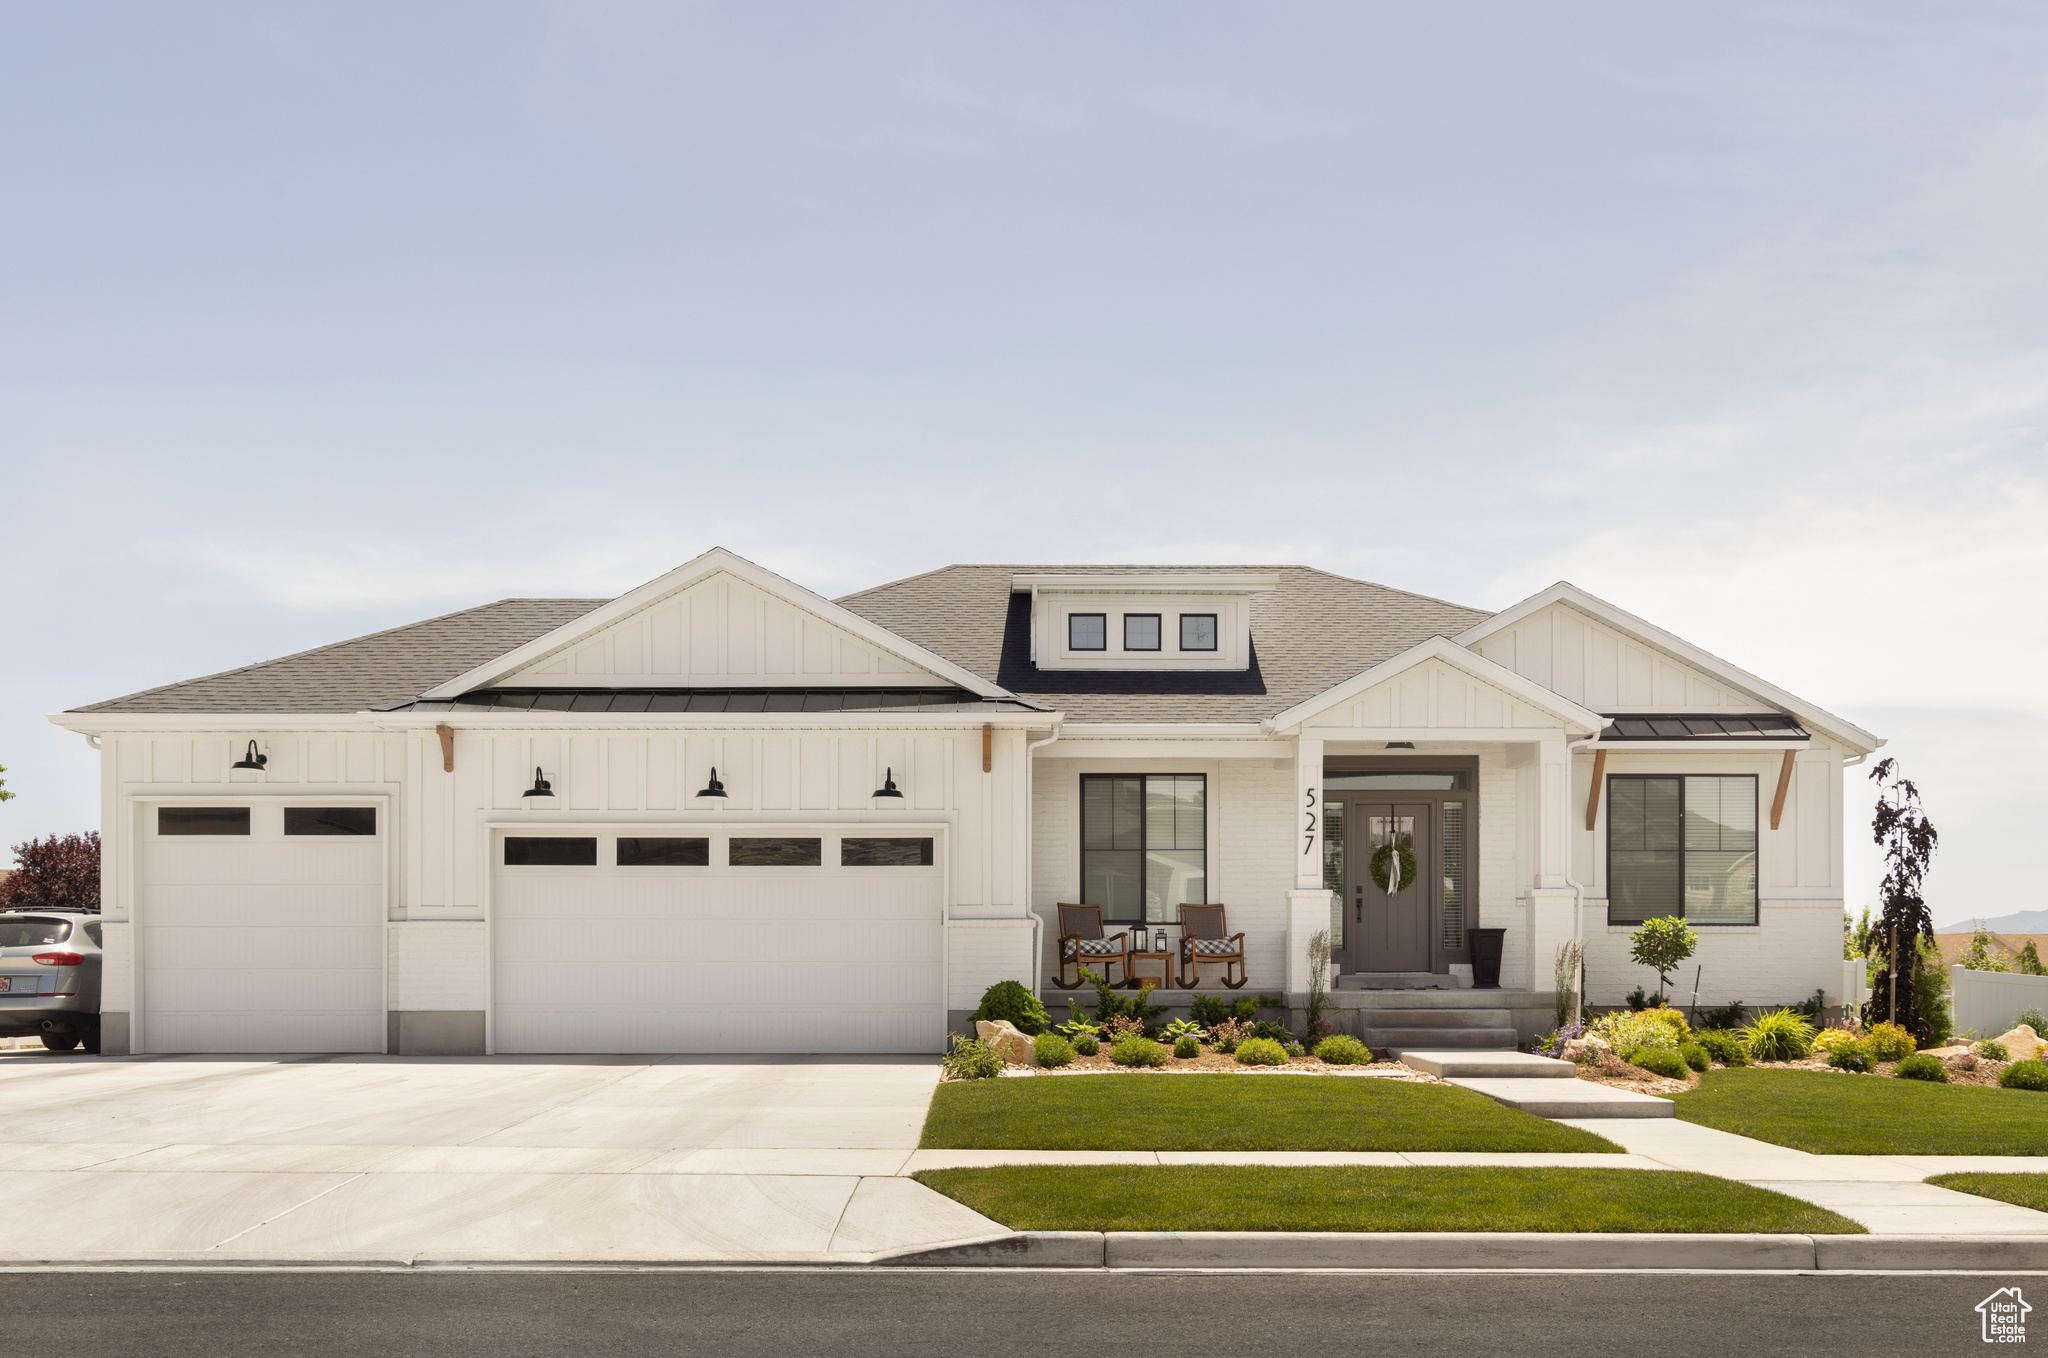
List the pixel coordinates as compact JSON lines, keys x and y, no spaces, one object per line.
{"x":1198,"y":631}
{"x":1087,"y":631}
{"x":1141,"y":631}
{"x":1183,"y":620}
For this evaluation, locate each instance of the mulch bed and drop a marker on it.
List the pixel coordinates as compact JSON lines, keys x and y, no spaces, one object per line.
{"x":1969,"y":1070}
{"x":1212,"y":1062}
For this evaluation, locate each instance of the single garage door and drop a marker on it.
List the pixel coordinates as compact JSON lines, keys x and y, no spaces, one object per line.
{"x":260,"y":928}
{"x":804,"y":941}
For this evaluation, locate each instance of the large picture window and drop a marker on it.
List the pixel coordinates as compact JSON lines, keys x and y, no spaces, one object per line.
{"x":1144,"y":844}
{"x":1681,"y":846}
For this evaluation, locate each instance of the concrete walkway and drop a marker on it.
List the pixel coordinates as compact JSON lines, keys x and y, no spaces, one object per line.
{"x":1881,"y":1192}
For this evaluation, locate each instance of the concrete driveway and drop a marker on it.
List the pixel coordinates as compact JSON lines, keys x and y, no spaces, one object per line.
{"x":507,"y":1158}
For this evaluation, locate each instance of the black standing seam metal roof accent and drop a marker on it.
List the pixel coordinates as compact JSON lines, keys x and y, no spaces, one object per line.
{"x":1702,"y":726}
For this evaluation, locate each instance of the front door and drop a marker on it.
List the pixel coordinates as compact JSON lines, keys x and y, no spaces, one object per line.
{"x":1388,"y":922}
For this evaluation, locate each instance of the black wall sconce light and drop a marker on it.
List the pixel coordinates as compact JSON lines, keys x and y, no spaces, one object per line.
{"x":888,"y":787}
{"x":252,"y":760}
{"x":714,"y":788}
{"x":541,"y":787}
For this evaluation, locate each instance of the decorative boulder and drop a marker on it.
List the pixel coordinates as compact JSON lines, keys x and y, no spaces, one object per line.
{"x":1005,"y":1038}
{"x":1587,"y":1050}
{"x":2022,"y":1043}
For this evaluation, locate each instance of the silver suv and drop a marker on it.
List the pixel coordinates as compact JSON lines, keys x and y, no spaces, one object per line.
{"x":50,"y":978}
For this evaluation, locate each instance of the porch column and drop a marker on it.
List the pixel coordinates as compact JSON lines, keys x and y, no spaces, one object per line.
{"x":1549,"y":922}
{"x":1308,"y":904}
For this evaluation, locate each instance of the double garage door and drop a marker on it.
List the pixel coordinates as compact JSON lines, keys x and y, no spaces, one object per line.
{"x":666,"y":941}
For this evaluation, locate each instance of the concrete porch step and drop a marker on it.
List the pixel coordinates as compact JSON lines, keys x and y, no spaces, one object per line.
{"x":1574,"y":1099}
{"x":1433,"y":1018}
{"x":1396,"y":980}
{"x":1434,"y":1039}
{"x":1442,"y":999}
{"x":1478,"y":1065}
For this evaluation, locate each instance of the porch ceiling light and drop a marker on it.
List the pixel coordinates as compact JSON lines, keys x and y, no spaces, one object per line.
{"x":714,"y":788}
{"x":1400,"y":744}
{"x":251,"y":760}
{"x":540,"y":788}
{"x":888,"y":787}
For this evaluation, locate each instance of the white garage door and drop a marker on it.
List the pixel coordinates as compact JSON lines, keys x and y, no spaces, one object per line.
{"x":799,"y":941}
{"x":260,"y":928}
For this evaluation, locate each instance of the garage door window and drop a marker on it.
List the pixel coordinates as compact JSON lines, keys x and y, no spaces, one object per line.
{"x":776,"y":853}
{"x":202,"y":820}
{"x":330,"y":820}
{"x":552,"y":851}
{"x":885,"y":853}
{"x":664,"y":853}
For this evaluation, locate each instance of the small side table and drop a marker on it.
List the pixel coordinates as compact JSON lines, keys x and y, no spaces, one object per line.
{"x":1167,"y":963}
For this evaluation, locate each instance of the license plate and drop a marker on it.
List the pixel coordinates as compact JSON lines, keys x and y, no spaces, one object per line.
{"x":19,"y":985}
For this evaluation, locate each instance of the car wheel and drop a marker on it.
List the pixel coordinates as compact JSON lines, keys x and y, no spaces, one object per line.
{"x":60,"y":1042}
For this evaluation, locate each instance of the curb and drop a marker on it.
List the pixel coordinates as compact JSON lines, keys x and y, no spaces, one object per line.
{"x":1451,"y":1251}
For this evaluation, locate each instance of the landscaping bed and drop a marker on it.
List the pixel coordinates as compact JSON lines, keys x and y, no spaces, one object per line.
{"x":1828,"y":1113}
{"x":1210,"y":1112}
{"x":1267,"y":1198}
{"x":1215,"y":1062}
{"x":2021,"y":1190}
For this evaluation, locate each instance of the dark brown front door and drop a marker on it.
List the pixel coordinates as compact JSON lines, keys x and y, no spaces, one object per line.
{"x":1389,"y":930}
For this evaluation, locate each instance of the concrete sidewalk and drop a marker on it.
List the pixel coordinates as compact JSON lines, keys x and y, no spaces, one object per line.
{"x":1881,"y":1192}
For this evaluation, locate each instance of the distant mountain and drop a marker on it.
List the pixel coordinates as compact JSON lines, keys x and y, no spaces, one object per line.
{"x":2024,"y":922}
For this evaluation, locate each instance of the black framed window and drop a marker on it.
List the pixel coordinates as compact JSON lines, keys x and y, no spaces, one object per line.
{"x":1198,"y":631}
{"x":330,"y":820}
{"x":1144,"y":844}
{"x":892,"y":852}
{"x":1682,"y":845}
{"x":775,"y":853}
{"x":550,"y":851}
{"x":1087,"y":631}
{"x":647,"y":852}
{"x":202,"y":820}
{"x":1141,"y":631}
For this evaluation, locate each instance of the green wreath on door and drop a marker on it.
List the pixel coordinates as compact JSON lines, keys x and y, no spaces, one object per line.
{"x":1385,"y":856}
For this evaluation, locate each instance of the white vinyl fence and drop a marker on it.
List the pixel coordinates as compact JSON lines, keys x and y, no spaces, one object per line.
{"x":1855,"y":984}
{"x":1988,"y":1002}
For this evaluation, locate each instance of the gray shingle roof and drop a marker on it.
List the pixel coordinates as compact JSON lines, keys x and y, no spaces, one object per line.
{"x":1314,"y":631}
{"x":350,"y":676}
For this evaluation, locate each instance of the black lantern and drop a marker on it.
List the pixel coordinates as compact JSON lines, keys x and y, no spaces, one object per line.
{"x":1159,"y":940}
{"x":888,"y":787}
{"x":251,"y":760}
{"x":714,"y":788}
{"x":540,"y":788}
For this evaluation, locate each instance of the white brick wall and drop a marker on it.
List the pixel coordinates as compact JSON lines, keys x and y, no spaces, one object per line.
{"x":1256,"y":847}
{"x":980,"y":953}
{"x":117,"y":968}
{"x":1795,"y":950}
{"x":437,"y":964}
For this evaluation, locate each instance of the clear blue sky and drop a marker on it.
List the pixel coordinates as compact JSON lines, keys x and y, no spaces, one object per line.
{"x":321,"y":318}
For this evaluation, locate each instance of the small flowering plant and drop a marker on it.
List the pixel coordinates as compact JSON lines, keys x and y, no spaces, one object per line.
{"x":1122,"y":1026}
{"x":1553,"y":1044}
{"x":1227,"y":1034}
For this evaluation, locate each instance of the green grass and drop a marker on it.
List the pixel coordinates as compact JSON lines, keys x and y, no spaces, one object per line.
{"x":1832,"y":1114}
{"x":1234,"y":1113}
{"x":2021,"y":1190}
{"x":1264,"y":1198}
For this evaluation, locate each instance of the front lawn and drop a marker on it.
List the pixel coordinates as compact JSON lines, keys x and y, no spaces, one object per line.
{"x":1832,"y":1114}
{"x":1264,"y":1198}
{"x":1234,"y":1113}
{"x":2021,"y":1190}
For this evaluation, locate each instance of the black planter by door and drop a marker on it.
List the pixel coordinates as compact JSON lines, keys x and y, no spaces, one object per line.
{"x":1486,"y":948}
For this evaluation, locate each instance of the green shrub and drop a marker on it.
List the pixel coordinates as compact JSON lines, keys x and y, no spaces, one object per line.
{"x":1810,"y":1007}
{"x":1208,"y":1010}
{"x":1851,"y":1055}
{"x":1780,"y":1035}
{"x":1922,"y":1067}
{"x":1694,"y":1055}
{"x":1180,"y":1028}
{"x":2025,"y":1075}
{"x":1261,"y":1051}
{"x":1627,"y":1032}
{"x":1186,"y":1048}
{"x":1247,"y":1007}
{"x":1010,"y":1000}
{"x":1728,"y":1016}
{"x":1672,"y":1019}
{"x":1342,"y":1050}
{"x":1052,"y":1050}
{"x":1723,"y":1046}
{"x":1137,"y":1051}
{"x":1086,"y":1046}
{"x":1889,"y":1042}
{"x":2034,"y":1019}
{"x":1663,"y":1061}
{"x":972,"y":1059}
{"x":1227,"y":1034}
{"x":1272,"y":1032}
{"x":1991,"y":1049}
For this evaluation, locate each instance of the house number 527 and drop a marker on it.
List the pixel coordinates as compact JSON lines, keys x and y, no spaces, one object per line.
{"x":1308,"y":836}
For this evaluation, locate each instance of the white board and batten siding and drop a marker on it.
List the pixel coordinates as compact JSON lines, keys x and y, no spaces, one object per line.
{"x":1436,"y":696}
{"x":1607,"y":670}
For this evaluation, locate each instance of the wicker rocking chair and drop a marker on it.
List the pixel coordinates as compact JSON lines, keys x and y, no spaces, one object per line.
{"x":1082,"y":943}
{"x":1206,"y":937}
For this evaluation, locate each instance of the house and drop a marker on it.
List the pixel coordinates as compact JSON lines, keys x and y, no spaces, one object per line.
{"x":723,"y":813}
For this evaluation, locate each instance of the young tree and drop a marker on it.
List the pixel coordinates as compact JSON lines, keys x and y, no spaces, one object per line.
{"x":2030,"y":960}
{"x":1983,"y":954}
{"x":1660,"y":945}
{"x":58,"y":873}
{"x":1903,"y":922}
{"x":5,"y":795}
